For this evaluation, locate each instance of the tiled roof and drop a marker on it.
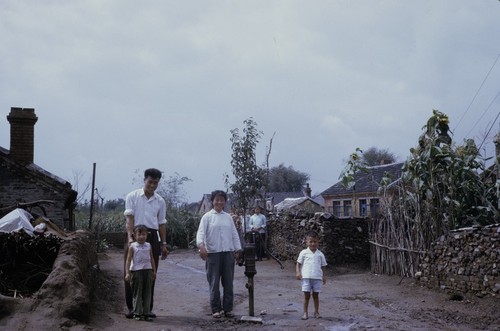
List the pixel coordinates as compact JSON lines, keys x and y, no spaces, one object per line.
{"x":280,"y":196}
{"x":34,"y":169}
{"x":367,"y":182}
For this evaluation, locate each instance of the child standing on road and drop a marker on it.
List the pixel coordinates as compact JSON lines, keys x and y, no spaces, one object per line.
{"x":141,"y":273}
{"x":310,"y":269}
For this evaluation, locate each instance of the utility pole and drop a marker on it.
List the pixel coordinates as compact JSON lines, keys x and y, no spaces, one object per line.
{"x":92,"y":198}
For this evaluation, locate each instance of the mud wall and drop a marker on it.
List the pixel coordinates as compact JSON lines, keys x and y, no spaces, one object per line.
{"x":343,"y":242}
{"x":65,"y":297}
{"x":465,"y":260}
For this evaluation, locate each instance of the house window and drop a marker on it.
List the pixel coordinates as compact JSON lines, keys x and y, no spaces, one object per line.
{"x":374,"y":206}
{"x":363,"y":208}
{"x":347,"y":208}
{"x":336,"y":209}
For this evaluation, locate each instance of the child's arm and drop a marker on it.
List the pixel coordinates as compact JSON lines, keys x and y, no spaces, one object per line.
{"x":298,"y":274}
{"x":130,"y":255}
{"x":324,"y":277}
{"x":152,"y":263}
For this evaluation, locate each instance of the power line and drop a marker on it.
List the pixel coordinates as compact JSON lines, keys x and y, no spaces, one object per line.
{"x":477,"y":92}
{"x":484,"y":113}
{"x":491,"y":127}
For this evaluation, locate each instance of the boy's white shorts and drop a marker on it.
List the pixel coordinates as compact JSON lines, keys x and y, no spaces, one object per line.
{"x":311,"y":285}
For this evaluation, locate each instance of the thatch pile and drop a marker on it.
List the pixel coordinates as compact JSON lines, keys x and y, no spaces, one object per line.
{"x":26,"y":261}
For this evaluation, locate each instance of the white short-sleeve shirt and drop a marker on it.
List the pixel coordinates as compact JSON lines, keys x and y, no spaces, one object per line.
{"x":149,"y":212}
{"x":311,"y":263}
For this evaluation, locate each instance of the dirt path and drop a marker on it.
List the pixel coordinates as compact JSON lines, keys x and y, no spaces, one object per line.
{"x":349,"y":301}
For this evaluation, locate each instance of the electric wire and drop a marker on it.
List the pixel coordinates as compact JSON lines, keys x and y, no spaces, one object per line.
{"x":482,"y":115}
{"x":491,"y":127}
{"x":477,"y":92}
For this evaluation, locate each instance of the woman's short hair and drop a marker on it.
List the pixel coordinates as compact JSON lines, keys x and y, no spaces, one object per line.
{"x":218,"y":193}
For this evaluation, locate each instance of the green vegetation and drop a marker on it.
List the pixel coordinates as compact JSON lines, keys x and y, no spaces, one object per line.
{"x":443,"y":187}
{"x":108,"y":216}
{"x":248,"y":176}
{"x":286,"y":179}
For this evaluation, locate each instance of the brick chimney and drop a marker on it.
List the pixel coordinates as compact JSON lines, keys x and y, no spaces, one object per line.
{"x":22,"y":134}
{"x":308,"y":190}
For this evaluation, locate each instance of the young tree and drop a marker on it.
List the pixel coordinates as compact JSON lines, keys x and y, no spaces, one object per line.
{"x":248,"y":176}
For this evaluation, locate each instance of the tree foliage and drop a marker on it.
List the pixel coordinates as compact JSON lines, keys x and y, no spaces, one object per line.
{"x":286,"y":179}
{"x":374,"y":156}
{"x":248,"y":176}
{"x":172,"y":190}
{"x":355,"y":164}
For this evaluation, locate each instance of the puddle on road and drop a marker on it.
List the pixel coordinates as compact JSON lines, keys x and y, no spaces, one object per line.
{"x":340,"y":327}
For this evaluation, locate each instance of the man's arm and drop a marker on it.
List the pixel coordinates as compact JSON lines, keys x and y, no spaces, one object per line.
{"x":130,"y":228}
{"x":152,"y":262}
{"x":127,"y":265}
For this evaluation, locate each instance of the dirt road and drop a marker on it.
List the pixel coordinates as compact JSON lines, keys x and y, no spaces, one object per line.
{"x":351,"y":300}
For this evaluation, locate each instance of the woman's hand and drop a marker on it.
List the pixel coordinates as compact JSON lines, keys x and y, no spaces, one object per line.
{"x":203,"y":252}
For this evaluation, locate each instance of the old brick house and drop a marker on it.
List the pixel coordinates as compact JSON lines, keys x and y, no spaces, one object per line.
{"x":22,"y":181}
{"x":363,"y":200}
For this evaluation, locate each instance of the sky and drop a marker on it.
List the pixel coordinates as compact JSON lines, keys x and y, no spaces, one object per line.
{"x":129,"y":85}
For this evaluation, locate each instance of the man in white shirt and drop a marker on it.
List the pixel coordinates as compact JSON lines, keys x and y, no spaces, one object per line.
{"x":258,"y":224}
{"x":145,"y":206}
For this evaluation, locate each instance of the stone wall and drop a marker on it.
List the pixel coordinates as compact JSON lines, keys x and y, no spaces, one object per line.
{"x":465,"y":260}
{"x":343,"y":242}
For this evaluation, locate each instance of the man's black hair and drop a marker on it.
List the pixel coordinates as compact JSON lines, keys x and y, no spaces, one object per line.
{"x":153,"y":173}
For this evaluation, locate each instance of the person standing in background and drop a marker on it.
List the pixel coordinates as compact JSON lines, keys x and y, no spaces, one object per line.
{"x":258,"y":224}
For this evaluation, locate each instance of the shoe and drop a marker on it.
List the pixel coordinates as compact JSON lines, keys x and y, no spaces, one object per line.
{"x":304,"y":317}
{"x":139,"y":317}
{"x":148,"y":318}
{"x":217,"y":314}
{"x":229,"y":314}
{"x":152,"y":315}
{"x":317,"y":315}
{"x":130,"y":314}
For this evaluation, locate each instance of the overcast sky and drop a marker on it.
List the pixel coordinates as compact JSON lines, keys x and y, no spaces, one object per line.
{"x":137,"y":84}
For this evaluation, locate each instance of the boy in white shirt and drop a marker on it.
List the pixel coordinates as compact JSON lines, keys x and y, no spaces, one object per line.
{"x":310,"y":269}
